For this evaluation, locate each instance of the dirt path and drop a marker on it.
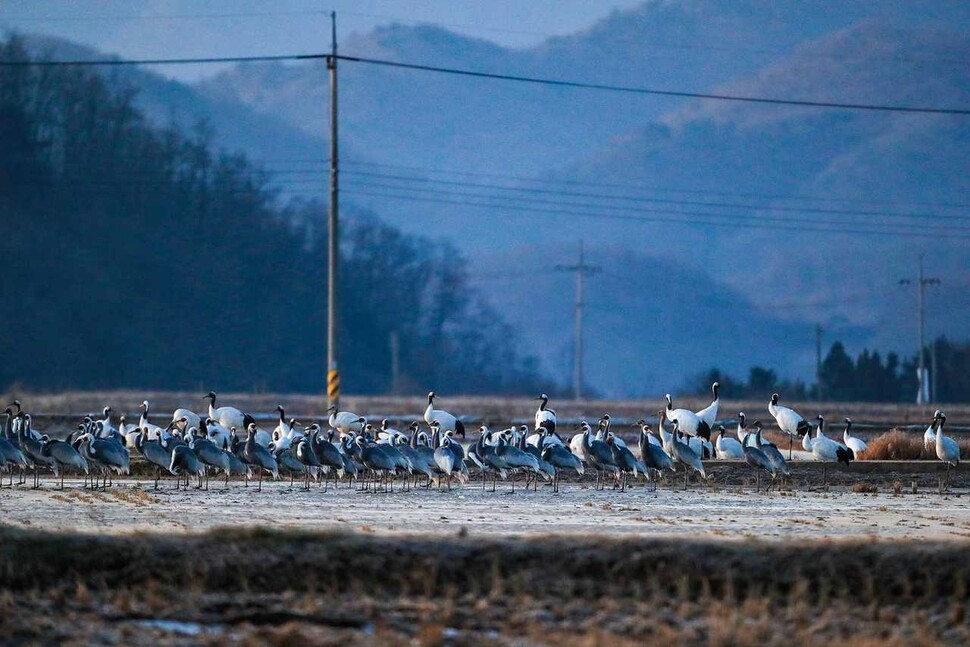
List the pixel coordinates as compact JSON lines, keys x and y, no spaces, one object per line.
{"x":728,"y":513}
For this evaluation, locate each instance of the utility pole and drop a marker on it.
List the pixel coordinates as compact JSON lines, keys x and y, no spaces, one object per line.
{"x":395,"y":363}
{"x":581,"y":269}
{"x":818,"y":362}
{"x":922,"y":396}
{"x":333,"y":374}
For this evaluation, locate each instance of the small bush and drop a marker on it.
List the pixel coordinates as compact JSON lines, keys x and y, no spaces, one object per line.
{"x":895,"y":445}
{"x":864,"y":488}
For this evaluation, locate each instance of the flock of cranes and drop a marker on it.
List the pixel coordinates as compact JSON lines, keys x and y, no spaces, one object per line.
{"x":228,"y":441}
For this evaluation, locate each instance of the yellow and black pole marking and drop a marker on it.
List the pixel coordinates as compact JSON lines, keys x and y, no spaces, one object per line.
{"x":333,"y":386}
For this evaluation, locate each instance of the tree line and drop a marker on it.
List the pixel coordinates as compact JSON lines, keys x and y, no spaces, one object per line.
{"x":142,"y":256}
{"x":869,"y":377}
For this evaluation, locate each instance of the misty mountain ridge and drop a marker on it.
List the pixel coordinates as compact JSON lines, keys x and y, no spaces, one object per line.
{"x":721,"y":285}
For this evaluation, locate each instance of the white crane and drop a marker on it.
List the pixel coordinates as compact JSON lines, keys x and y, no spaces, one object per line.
{"x":827,"y":450}
{"x":151,"y":431}
{"x":192,"y":419}
{"x":388,"y":435}
{"x":743,"y":432}
{"x":947,"y":449}
{"x":446,"y":421}
{"x":929,"y":436}
{"x":345,"y":422}
{"x":687,"y":421}
{"x":106,"y":422}
{"x":727,"y":447}
{"x":788,"y":420}
{"x":857,"y":445}
{"x":708,"y":415}
{"x":228,"y":417}
{"x":216,"y":433}
{"x":576,"y":442}
{"x":545,"y":417}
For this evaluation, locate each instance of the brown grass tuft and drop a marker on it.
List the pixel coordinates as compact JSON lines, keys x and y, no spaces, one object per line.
{"x":895,"y":445}
{"x":864,"y":488}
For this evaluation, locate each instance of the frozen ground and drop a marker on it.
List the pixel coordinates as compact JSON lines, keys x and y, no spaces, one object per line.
{"x":700,"y":513}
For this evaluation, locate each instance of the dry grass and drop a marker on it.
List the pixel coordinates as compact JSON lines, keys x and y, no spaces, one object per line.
{"x":896,"y":445}
{"x":259,"y":587}
{"x":899,"y":445}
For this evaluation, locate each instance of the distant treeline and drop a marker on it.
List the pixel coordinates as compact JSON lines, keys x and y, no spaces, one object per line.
{"x":867,"y":378}
{"x":141,"y":256}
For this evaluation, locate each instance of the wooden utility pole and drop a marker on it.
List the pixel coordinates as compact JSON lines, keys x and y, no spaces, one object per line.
{"x":395,"y":363}
{"x":581,"y":269}
{"x":922,"y":395}
{"x":333,"y":258}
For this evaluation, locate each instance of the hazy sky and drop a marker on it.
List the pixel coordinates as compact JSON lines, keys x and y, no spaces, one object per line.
{"x":171,"y":28}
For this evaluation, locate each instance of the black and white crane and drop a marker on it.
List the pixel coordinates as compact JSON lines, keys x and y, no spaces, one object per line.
{"x":545,"y":417}
{"x":790,"y":422}
{"x":708,"y":415}
{"x":345,"y":422}
{"x":857,"y":445}
{"x":688,"y":422}
{"x":446,"y":421}
{"x":947,"y":449}
{"x":727,"y":448}
{"x":828,"y":450}
{"x":228,"y":417}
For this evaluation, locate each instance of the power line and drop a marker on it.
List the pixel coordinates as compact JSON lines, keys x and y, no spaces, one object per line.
{"x":670,"y":217}
{"x":119,"y":62}
{"x":938,"y":229}
{"x":611,"y":185}
{"x":493,"y":76}
{"x":272,"y":188}
{"x":280,"y":178}
{"x":654,"y":91}
{"x":629,"y":198}
{"x":160,"y":16}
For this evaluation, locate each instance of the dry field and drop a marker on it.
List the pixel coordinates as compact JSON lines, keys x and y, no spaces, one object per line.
{"x":731,"y":512}
{"x":877,"y":557}
{"x":259,"y":587}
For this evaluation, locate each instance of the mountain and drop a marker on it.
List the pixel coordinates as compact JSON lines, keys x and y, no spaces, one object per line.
{"x":663,"y":190}
{"x":436,"y":120}
{"x":870,"y":168}
{"x":230,"y":123}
